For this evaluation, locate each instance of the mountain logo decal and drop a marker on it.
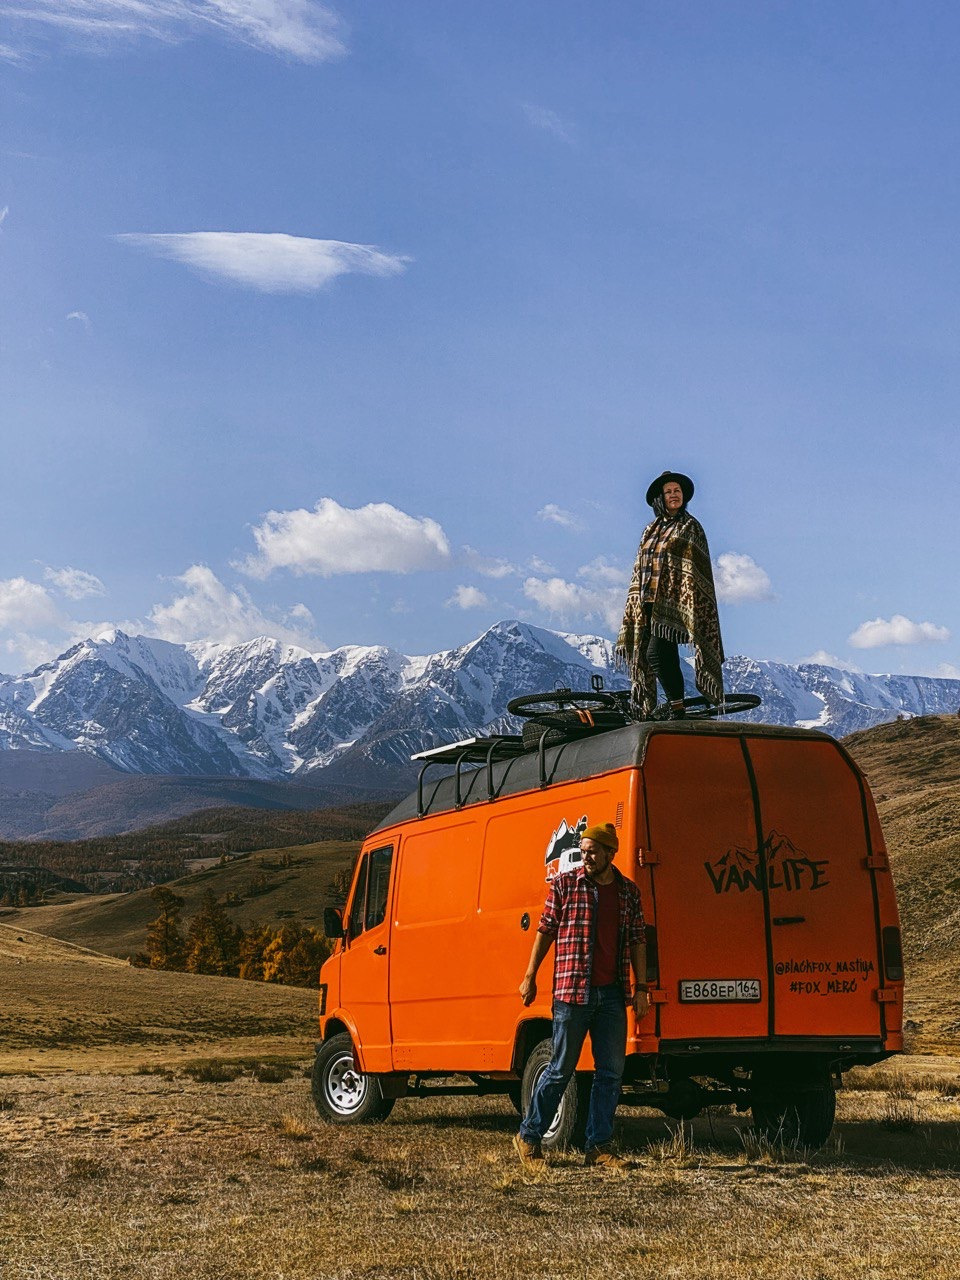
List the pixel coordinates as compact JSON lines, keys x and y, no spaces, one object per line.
{"x":786,"y":866}
{"x":563,"y":848}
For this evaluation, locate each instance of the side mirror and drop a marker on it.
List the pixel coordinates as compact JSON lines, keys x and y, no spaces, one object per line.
{"x":332,"y":923}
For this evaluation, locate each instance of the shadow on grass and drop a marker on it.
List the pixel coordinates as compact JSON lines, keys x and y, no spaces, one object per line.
{"x":727,"y":1142}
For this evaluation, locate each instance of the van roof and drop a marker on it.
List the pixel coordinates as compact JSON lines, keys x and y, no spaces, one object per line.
{"x":568,"y":761}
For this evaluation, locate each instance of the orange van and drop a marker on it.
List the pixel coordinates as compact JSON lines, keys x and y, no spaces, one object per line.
{"x":773,"y":941}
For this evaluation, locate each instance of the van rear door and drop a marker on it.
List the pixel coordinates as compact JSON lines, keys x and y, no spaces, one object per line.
{"x":823,"y":909}
{"x":711,"y":929}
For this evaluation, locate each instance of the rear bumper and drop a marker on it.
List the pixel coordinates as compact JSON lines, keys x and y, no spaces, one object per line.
{"x":832,"y":1046}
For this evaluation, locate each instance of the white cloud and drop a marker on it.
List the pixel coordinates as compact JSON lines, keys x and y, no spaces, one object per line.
{"x":304,"y":30}
{"x":557,"y":515}
{"x":331,"y":539}
{"x":468,"y":598}
{"x":898,"y":630}
{"x":739,"y":578}
{"x":271,"y":262}
{"x":76,"y":584}
{"x":547,"y":120}
{"x":208,"y":610}
{"x":572,"y":602}
{"x":6,"y":208}
{"x":82,"y":317}
{"x":948,"y":671}
{"x":26,"y":605}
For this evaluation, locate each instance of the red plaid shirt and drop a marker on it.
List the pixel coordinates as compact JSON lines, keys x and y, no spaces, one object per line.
{"x":570,"y":917}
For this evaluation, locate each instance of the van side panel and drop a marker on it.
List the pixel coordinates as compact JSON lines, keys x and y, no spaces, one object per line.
{"x":432,"y":941}
{"x":825,"y":943}
{"x":471,"y":889}
{"x":701,"y":848}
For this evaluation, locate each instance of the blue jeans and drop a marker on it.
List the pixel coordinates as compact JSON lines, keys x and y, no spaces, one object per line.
{"x":605,"y":1017}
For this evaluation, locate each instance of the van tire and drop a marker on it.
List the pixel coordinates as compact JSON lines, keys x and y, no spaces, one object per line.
{"x":794,"y":1114}
{"x":341,"y":1094}
{"x":570,"y":1125}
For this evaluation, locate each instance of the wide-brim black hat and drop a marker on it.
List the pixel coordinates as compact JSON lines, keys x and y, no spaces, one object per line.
{"x":656,"y":488}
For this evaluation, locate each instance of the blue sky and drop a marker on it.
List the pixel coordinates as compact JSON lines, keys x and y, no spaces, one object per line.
{"x":371,"y":323}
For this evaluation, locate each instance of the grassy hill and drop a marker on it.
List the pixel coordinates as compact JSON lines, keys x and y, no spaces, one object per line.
{"x":268,"y":887}
{"x":913,"y":767}
{"x":66,"y":1006}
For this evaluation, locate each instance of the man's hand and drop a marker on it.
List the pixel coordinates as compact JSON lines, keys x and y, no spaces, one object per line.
{"x":528,"y":989}
{"x":641,"y":1003}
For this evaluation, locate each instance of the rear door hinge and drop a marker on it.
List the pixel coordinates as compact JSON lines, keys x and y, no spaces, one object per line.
{"x":647,"y":858}
{"x":877,"y":861}
{"x":886,"y":995}
{"x":658,"y":997}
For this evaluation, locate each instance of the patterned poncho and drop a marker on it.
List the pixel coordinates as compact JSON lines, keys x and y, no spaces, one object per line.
{"x":674,"y":577}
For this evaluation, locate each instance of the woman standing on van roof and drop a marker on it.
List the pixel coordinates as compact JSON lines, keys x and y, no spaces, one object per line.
{"x":671,"y":601}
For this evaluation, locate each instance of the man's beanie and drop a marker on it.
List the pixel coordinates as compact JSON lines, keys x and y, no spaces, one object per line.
{"x":605,"y":835}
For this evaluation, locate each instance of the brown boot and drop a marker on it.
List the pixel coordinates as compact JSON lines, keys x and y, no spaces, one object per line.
{"x":605,"y":1156}
{"x":530,"y":1153}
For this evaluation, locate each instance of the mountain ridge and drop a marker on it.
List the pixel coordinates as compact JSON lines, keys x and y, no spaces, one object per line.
{"x":269,"y":711}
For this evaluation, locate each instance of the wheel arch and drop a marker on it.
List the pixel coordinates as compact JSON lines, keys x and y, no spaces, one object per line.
{"x":528,"y":1034}
{"x":336,"y":1023}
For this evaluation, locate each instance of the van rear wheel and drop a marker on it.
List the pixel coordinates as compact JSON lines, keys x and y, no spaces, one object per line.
{"x":570,"y":1123}
{"x":793,"y":1114}
{"x":341,"y":1093}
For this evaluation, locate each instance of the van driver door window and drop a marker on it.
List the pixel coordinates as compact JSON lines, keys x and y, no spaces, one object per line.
{"x":364,"y":971}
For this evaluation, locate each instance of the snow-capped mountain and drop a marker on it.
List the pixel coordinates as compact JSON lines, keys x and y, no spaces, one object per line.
{"x":270,"y":710}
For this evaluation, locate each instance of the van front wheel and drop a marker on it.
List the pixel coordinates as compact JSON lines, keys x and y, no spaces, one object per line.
{"x":570,"y":1123}
{"x":341,"y":1093}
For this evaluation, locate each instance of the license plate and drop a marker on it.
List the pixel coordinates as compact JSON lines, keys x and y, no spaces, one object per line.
{"x":718,"y":990}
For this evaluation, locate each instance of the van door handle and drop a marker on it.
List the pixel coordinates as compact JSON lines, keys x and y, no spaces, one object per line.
{"x":380,"y":951}
{"x":789,"y":919}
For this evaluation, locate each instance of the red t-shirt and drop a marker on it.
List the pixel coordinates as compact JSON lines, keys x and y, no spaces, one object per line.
{"x":606,"y":958}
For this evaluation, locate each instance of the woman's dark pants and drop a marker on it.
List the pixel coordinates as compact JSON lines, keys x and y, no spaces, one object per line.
{"x":664,"y":659}
{"x":605,"y":1017}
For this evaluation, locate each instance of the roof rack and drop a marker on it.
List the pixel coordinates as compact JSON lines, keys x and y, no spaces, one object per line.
{"x":478,"y":751}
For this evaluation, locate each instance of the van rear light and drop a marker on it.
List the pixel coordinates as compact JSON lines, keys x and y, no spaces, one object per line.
{"x":892,"y":954}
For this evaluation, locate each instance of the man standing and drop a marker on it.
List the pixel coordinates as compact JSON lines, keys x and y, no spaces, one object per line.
{"x":594,"y":915}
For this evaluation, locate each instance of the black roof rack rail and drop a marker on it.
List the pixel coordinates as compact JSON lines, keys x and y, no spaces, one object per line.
{"x":482,"y":750}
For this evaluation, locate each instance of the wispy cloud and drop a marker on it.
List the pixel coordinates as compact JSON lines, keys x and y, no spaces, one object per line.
{"x":82,"y":318}
{"x":3,"y":215}
{"x":331,"y":539}
{"x":208,"y":610}
{"x":489,"y":566}
{"x":75,"y":584}
{"x":896,"y":630}
{"x":574,"y":602}
{"x":740,"y":579}
{"x":304,"y":30}
{"x":271,"y":262}
{"x":823,"y":658}
{"x":557,"y":515}
{"x":547,"y":120}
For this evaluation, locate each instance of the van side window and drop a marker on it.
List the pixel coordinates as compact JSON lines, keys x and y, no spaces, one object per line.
{"x":359,"y":901}
{"x":379,"y":886}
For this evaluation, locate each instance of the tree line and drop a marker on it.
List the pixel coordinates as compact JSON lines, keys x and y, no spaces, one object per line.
{"x":213,"y":943}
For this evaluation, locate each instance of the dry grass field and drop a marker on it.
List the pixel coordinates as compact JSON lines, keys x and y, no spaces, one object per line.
{"x":163,"y":1175}
{"x":913,"y":767}
{"x":67,"y":1008}
{"x":116,"y":923}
